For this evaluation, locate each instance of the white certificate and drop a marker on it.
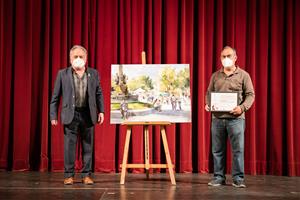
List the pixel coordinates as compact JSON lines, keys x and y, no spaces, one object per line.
{"x":223,"y":101}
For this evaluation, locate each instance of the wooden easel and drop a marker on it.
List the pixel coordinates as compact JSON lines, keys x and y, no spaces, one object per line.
{"x":147,"y":164}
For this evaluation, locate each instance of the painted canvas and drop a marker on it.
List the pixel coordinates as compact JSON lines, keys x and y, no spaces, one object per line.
{"x":150,"y":93}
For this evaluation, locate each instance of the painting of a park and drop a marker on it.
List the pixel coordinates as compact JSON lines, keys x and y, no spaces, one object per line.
{"x":150,"y":93}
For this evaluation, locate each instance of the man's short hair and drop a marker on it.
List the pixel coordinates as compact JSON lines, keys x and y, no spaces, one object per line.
{"x":78,"y":47}
{"x":229,"y":47}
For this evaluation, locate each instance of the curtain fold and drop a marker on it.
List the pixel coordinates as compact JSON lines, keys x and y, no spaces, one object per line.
{"x":35,"y":38}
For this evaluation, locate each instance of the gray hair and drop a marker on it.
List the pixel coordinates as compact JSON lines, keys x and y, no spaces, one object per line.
{"x":229,"y":47}
{"x":78,"y":47}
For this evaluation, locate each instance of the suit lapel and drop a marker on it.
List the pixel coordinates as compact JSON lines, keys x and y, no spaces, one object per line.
{"x":70,"y":75}
{"x":89,"y":79}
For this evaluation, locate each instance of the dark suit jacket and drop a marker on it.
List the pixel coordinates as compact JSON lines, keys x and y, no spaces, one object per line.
{"x":64,"y":86}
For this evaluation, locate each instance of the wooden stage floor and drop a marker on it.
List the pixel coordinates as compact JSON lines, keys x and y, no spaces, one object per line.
{"x":46,"y":186}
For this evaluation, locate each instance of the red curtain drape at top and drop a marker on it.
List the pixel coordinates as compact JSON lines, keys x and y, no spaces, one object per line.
{"x":35,"y":38}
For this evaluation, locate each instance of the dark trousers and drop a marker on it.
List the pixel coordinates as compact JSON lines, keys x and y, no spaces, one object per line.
{"x":81,"y":124}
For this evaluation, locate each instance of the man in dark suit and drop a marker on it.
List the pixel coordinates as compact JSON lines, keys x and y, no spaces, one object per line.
{"x":82,"y":107}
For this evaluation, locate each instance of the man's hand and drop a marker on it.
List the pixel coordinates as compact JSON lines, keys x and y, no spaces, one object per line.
{"x":53,"y":122}
{"x":100,"y":118}
{"x":237,"y":110}
{"x":207,"y":108}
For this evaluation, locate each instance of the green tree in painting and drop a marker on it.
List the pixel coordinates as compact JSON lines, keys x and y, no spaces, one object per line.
{"x":173,"y":82}
{"x":147,"y":83}
{"x":168,"y":80}
{"x":184,"y":78}
{"x":143,"y":82}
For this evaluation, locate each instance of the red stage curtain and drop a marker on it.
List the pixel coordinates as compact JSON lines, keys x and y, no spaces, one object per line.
{"x":35,"y":38}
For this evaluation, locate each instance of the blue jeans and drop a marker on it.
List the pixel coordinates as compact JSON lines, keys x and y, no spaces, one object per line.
{"x":220,"y":129}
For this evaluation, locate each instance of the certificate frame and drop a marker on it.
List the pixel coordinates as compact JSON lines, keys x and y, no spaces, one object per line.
{"x":223,"y":101}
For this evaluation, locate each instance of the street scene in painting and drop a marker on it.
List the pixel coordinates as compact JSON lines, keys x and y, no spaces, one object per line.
{"x":150,"y":92}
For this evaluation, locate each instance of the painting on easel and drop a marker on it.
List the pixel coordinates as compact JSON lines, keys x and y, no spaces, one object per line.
{"x":150,"y":92}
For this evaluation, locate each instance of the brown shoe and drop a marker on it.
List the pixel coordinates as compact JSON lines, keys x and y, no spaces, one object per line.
{"x":87,"y":181}
{"x":69,"y":181}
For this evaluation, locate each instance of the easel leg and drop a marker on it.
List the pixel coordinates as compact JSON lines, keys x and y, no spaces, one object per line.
{"x":125,"y":155}
{"x":147,"y":155}
{"x":169,"y":162}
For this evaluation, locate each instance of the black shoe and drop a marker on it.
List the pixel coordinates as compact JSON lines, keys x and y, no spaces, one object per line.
{"x":239,"y":183}
{"x":216,"y":182}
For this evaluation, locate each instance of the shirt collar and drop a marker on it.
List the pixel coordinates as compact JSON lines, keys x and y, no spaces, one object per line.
{"x":73,"y":71}
{"x":236,"y":71}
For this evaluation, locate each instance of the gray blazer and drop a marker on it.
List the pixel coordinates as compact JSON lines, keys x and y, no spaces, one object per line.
{"x":64,"y":86}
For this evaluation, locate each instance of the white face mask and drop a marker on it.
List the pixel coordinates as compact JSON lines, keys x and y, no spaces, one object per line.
{"x":227,"y":62}
{"x":78,"y":63}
